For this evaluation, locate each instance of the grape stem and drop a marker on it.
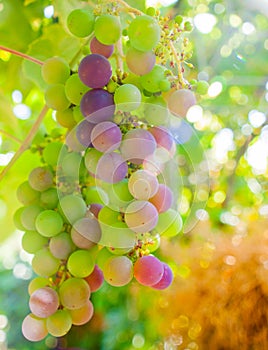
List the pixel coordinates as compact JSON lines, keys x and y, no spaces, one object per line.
{"x":27,"y":141}
{"x":20,"y":54}
{"x":119,"y":55}
{"x":129,"y":8}
{"x":178,"y":63}
{"x":14,"y":138}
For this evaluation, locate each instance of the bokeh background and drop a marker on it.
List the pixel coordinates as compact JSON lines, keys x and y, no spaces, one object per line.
{"x":219,"y":298}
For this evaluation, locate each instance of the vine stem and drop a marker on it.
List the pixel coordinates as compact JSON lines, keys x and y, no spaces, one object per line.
{"x":120,"y":55}
{"x":14,"y":138}
{"x":178,"y":63}
{"x":20,"y":54}
{"x":127,"y":6}
{"x":25,"y":144}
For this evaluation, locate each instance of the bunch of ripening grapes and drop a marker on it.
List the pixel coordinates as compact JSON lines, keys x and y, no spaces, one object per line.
{"x":96,"y":208}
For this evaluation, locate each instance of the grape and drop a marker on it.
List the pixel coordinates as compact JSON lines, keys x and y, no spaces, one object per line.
{"x":163,"y":198}
{"x":148,"y":270}
{"x":86,"y":232}
{"x":55,"y":70}
{"x":117,"y":236}
{"x":44,"y":302}
{"x":142,"y":184}
{"x":144,"y":33}
{"x":101,"y":49}
{"x":32,"y":241}
{"x":139,"y":62}
{"x":29,"y":215}
{"x":119,"y":251}
{"x":107,"y":29}
{"x":127,"y":97}
{"x":40,"y":179}
{"x":118,"y":271}
{"x":72,"y":207}
{"x":59,"y":323}
{"x":102,"y":257}
{"x":80,"y":22}
{"x":34,"y":328}
{"x":37,"y":283}
{"x":163,"y":138}
{"x":26,"y":194}
{"x":49,"y":223}
{"x":72,"y":142}
{"x":74,"y":293}
{"x":111,"y":168}
{"x":106,"y":136}
{"x":108,"y":215}
{"x":95,"y":279}
{"x":91,"y":160}
{"x":52,"y":151}
{"x":83,"y":132}
{"x":17,"y":219}
{"x":155,"y":111}
{"x":55,"y":97}
{"x":44,"y":263}
{"x":95,"y":71}
{"x":202,"y":87}
{"x":95,"y":209}
{"x":154,"y":243}
{"x":80,"y":263}
{"x":141,"y":216}
{"x":180,"y":101}
{"x":61,"y":245}
{"x":70,"y":164}
{"x":75,"y":89}
{"x":169,"y":223}
{"x":78,"y":116}
{"x":66,"y":118}
{"x":97,"y":105}
{"x":136,"y":145}
{"x":119,"y":195}
{"x":150,"y":81}
{"x":82,"y":315}
{"x":166,"y":279}
{"x":95,"y":194}
{"x":49,"y":198}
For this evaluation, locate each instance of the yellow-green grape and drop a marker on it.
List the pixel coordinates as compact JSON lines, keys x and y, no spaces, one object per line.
{"x":81,"y":263}
{"x":95,"y":194}
{"x":72,"y":207}
{"x":55,"y":70}
{"x":80,"y":22}
{"x":74,"y":293}
{"x":188,"y":27}
{"x":55,"y":97}
{"x":179,"y":19}
{"x":66,"y":118}
{"x":155,"y":111}
{"x":59,"y":323}
{"x":71,"y":163}
{"x":82,"y":315}
{"x":169,"y":223}
{"x":127,"y":97}
{"x":151,"y":81}
{"x":32,"y":241}
{"x":118,"y":271}
{"x":75,"y":89}
{"x":107,"y":29}
{"x":49,"y":223}
{"x":29,"y":215}
{"x":17,"y":219}
{"x":49,"y":199}
{"x":44,"y":263}
{"x":77,"y":114}
{"x":202,"y":87}
{"x":52,"y":151}
{"x":36,"y":283}
{"x":26,"y":194}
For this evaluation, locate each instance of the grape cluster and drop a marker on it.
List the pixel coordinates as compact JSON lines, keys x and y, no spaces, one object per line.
{"x":97,"y":207}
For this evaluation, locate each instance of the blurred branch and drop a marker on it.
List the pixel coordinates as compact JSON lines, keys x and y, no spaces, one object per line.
{"x":12,"y":137}
{"x":20,"y":54}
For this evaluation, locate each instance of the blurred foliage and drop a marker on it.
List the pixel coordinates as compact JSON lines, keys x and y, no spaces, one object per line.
{"x":230,"y":52}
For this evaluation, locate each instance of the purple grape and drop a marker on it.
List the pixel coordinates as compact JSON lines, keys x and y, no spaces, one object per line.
{"x":148,"y":270}
{"x":95,"y":279}
{"x":111,"y":168}
{"x":106,"y":136}
{"x":166,"y":279}
{"x":95,"y":209}
{"x":137,"y":144}
{"x":101,"y":49}
{"x":97,"y":105}
{"x":83,"y":132}
{"x":163,"y":137}
{"x":95,"y":71}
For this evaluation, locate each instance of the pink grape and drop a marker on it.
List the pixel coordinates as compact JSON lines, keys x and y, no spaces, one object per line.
{"x":180,"y":101}
{"x":143,"y":184}
{"x":95,"y":209}
{"x":148,"y":270}
{"x":166,"y":279}
{"x":106,"y":136}
{"x":101,"y":49}
{"x":95,"y":71}
{"x":34,"y":328}
{"x":44,"y":302}
{"x":83,"y":132}
{"x":97,"y":105}
{"x":137,"y":144}
{"x":141,"y":216}
{"x":86,"y":232}
{"x":163,"y":137}
{"x":163,"y":198}
{"x":111,"y":168}
{"x":139,"y":62}
{"x":95,"y":279}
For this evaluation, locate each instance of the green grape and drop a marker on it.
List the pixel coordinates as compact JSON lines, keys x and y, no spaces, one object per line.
{"x":52,"y":151}
{"x":55,"y":97}
{"x":72,"y":207}
{"x":107,"y":29}
{"x":179,"y":19}
{"x":95,"y":194}
{"x":80,"y":22}
{"x":119,"y":195}
{"x":44,"y":263}
{"x":108,"y":215}
{"x":55,"y":70}
{"x":40,"y":179}
{"x":77,"y":114}
{"x":103,"y":256}
{"x":144,"y":33}
{"x":17,"y":219}
{"x":164,"y":85}
{"x":150,"y":11}
{"x":59,"y":323}
{"x":75,"y":89}
{"x":81,"y":263}
{"x":49,"y":223}
{"x":169,"y":223}
{"x":127,"y":97}
{"x":66,"y":118}
{"x":117,"y":235}
{"x":29,"y":215}
{"x":70,"y":164}
{"x":151,"y":81}
{"x":188,"y":27}
{"x":118,"y":251}
{"x":26,"y":194}
{"x":118,"y":271}
{"x":155,"y":111}
{"x":49,"y":199}
{"x":202,"y":87}
{"x":74,"y":293}
{"x":32,"y":241}
{"x":61,"y":245}
{"x":37,"y":283}
{"x":91,"y":160}
{"x":154,"y":243}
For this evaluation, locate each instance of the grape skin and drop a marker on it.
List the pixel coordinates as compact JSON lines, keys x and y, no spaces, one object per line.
{"x":74,"y":293}
{"x":34,"y":328}
{"x":44,"y":302}
{"x":148,"y":270}
{"x":101,"y":49}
